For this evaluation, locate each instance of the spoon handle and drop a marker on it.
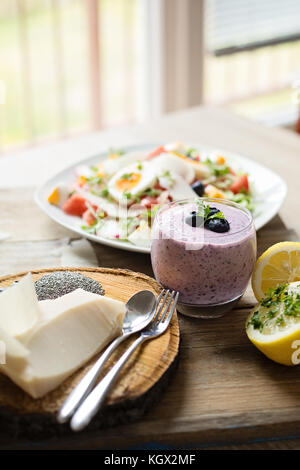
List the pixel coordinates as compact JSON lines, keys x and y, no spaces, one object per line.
{"x":93,"y":402}
{"x":86,"y":383}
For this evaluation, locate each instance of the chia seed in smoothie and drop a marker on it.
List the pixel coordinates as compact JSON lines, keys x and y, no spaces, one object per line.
{"x":205,"y":267}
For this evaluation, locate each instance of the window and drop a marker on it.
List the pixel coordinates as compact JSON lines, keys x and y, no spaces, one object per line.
{"x":67,"y":66}
{"x":252,"y":56}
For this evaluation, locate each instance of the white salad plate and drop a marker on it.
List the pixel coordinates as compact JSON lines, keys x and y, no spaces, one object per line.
{"x":269,"y":191}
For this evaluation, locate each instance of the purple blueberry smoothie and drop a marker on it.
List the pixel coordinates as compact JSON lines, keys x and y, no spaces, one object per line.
{"x":207,"y":268}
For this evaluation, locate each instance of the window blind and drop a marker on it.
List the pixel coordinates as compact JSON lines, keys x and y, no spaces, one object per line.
{"x":235,"y":25}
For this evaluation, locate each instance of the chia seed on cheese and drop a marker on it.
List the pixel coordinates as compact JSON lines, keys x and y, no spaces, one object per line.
{"x":58,"y":283}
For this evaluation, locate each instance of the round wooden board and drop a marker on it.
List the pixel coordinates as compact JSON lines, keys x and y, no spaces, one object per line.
{"x":139,"y":385}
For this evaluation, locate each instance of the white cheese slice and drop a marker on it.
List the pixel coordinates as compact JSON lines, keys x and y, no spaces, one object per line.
{"x":202,"y":171}
{"x":174,"y":164}
{"x":142,"y":235}
{"x":111,"y":208}
{"x":84,"y":170}
{"x":15,"y":353}
{"x":64,"y":192}
{"x":69,"y":331}
{"x":181,"y":189}
{"x":110,"y":229}
{"x":19,"y":309}
{"x":72,"y":329}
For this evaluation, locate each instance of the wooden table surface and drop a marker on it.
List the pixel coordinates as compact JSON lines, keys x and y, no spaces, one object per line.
{"x":224,"y":393}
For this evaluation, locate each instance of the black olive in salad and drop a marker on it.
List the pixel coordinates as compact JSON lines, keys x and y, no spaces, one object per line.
{"x":198,"y":187}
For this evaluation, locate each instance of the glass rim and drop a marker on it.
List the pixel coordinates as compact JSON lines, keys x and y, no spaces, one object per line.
{"x":220,"y":201}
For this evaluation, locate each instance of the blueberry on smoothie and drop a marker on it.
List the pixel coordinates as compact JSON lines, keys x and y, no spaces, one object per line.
{"x":217,"y":225}
{"x":212,"y":211}
{"x":214,"y":219}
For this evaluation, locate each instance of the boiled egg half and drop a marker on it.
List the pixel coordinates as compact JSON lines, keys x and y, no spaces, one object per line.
{"x":131,"y":181}
{"x":170,"y":162}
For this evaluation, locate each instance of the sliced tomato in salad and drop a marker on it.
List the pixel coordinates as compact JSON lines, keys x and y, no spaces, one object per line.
{"x":149,"y":201}
{"x":240,"y":184}
{"x":75,"y":205}
{"x":158,"y":186}
{"x":156,"y":152}
{"x":88,"y":217}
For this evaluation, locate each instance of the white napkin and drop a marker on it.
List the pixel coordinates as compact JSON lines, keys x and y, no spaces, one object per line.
{"x":78,"y":253}
{"x":4,"y":235}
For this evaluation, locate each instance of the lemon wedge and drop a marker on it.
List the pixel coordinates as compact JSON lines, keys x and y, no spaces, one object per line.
{"x":273,"y":325}
{"x":280,"y":264}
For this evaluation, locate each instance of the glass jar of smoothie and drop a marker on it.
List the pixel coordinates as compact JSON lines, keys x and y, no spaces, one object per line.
{"x":208,"y":261}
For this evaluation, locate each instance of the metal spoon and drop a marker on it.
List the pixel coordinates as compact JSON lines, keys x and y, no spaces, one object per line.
{"x":140,"y":310}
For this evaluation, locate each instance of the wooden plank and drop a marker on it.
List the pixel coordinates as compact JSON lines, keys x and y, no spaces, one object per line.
{"x":138,"y":386}
{"x":267,"y":238}
{"x":285,"y":444}
{"x":24,"y":220}
{"x":28,"y":255}
{"x":224,"y":390}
